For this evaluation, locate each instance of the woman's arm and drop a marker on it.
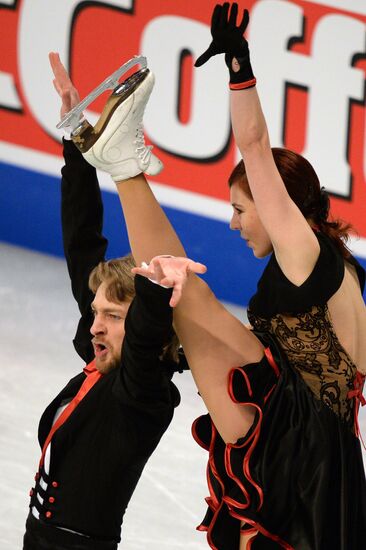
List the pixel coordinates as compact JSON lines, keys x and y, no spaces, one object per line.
{"x":295,"y":246}
{"x":293,"y":240}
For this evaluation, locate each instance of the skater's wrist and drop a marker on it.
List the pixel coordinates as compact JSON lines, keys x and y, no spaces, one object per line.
{"x":241,"y":72}
{"x":146,"y":266}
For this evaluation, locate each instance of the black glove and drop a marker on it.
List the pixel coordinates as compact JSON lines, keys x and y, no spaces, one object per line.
{"x":228,"y":38}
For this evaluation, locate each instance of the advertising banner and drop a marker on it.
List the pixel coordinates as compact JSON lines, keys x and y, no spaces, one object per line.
{"x":309,"y":58}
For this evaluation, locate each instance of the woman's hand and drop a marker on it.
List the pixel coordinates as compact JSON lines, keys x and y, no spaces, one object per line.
{"x":63,"y":85}
{"x":170,"y":272}
{"x":228,"y":38}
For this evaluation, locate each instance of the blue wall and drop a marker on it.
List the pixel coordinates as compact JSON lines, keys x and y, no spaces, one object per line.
{"x":30,"y":217}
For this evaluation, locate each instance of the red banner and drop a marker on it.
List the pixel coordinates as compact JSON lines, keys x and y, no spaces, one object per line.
{"x":309,"y":59}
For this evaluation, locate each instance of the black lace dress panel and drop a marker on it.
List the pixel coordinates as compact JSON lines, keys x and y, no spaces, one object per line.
{"x":313,"y":349}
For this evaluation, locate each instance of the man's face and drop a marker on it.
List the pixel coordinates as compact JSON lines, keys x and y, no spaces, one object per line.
{"x":108,"y":330}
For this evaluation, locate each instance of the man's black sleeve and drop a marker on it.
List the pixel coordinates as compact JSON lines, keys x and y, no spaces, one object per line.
{"x":143,"y":379}
{"x":84,"y":244}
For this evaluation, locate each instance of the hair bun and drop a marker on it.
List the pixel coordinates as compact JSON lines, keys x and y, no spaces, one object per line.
{"x":324,"y":205}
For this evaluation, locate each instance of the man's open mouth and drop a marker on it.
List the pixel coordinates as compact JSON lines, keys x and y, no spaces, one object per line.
{"x":100,"y":349}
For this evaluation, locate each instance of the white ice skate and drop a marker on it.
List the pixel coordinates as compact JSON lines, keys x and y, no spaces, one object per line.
{"x":116,"y":143}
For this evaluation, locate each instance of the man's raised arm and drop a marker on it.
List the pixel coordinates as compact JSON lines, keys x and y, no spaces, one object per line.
{"x":81,"y":215}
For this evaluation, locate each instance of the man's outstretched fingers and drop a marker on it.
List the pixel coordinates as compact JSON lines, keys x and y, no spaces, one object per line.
{"x":196,"y":267}
{"x":63,"y":84}
{"x":143,"y":271}
{"x":176,"y":295}
{"x":171,"y":273}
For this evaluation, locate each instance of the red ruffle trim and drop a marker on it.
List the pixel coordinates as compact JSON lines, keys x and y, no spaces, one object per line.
{"x":216,"y":501}
{"x":357,"y":394}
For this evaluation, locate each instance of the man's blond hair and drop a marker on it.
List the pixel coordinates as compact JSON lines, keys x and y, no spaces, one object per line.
{"x":120,"y":287}
{"x":117,"y":275}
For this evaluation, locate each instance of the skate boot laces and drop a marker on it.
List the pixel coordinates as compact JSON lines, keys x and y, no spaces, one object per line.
{"x":143,"y":151}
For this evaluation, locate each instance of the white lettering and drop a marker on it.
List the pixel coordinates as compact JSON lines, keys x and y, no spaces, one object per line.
{"x":273,"y":64}
{"x":327,"y":73}
{"x":44,"y":28}
{"x":353,"y":6}
{"x":206,"y":133}
{"x":364,"y":149}
{"x":333,"y":86}
{"x":9,"y":98}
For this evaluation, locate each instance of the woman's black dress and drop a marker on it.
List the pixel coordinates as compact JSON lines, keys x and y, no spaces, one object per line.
{"x":297,"y":477}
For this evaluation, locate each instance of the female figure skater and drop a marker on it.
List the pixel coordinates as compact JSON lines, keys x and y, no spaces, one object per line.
{"x":285,"y":466}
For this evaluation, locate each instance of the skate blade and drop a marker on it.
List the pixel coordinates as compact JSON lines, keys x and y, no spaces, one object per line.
{"x":85,"y":135}
{"x":72,"y":118}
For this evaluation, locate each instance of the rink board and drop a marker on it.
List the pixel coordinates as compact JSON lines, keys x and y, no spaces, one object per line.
{"x":312,"y":89}
{"x":33,"y":216}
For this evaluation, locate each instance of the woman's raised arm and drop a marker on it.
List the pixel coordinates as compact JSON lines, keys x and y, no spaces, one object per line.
{"x":295,"y":246}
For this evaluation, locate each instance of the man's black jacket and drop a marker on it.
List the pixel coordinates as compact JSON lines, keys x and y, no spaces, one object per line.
{"x":98,"y":454}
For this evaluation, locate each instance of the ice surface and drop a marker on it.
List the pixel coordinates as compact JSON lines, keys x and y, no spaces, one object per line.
{"x":37,"y":323}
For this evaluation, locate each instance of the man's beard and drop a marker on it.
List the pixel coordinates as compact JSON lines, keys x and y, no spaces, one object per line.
{"x":105,"y":367}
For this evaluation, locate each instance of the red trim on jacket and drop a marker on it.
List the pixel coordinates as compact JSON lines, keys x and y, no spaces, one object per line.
{"x":92,"y":377}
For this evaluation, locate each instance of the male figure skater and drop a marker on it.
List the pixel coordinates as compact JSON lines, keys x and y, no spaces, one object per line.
{"x":98,"y":433}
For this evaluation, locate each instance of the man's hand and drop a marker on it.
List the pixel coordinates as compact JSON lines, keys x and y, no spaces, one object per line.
{"x":63,"y":85}
{"x":170,"y":272}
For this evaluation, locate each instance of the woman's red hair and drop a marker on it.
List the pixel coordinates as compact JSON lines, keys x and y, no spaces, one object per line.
{"x":304,"y":188}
